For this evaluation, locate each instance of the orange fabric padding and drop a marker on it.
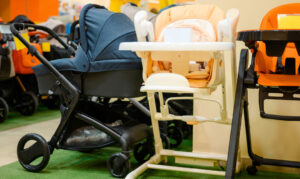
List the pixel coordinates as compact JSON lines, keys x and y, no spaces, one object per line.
{"x":43,"y":35}
{"x":24,"y":62}
{"x":211,"y":13}
{"x":264,"y":65}
{"x":267,"y":64}
{"x":197,"y":81}
{"x":279,"y":80}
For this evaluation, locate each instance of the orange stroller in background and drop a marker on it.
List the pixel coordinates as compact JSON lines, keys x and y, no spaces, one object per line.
{"x":274,"y":71}
{"x":18,"y":88}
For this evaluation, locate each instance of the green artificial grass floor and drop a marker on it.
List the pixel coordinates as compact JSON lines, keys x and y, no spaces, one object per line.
{"x":71,"y":164}
{"x":15,"y":119}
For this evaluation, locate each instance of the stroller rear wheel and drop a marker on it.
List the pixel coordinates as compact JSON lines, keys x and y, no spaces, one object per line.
{"x":143,"y":151}
{"x":29,"y":156}
{"x":118,"y":165}
{"x":251,"y":170}
{"x":52,"y":102}
{"x":3,"y":109}
{"x":175,"y":136}
{"x":27,"y":103}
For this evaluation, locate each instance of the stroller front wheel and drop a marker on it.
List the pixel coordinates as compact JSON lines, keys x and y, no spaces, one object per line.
{"x":28,"y":103}
{"x":29,"y":156}
{"x":3,"y":109}
{"x":118,"y":165}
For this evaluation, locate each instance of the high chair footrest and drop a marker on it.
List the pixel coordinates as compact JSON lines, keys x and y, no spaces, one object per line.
{"x":184,"y":169}
{"x":281,"y":93}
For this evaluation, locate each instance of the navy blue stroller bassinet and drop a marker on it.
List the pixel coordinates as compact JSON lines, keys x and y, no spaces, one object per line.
{"x":98,"y":69}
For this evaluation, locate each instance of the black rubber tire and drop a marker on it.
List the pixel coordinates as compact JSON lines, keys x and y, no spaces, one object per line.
{"x":175,"y":136}
{"x":29,"y":103}
{"x":86,"y":150}
{"x":251,"y":170}
{"x":187,"y":130}
{"x":52,"y":102}
{"x":39,"y":149}
{"x":118,"y":165}
{"x":4,"y":109}
{"x":143,"y":151}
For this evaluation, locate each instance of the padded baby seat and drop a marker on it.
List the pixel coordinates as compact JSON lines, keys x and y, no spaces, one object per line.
{"x":203,"y":20}
{"x":278,"y":71}
{"x":99,"y":68}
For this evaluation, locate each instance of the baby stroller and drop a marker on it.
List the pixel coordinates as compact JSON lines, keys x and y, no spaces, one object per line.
{"x":274,"y":71}
{"x":23,"y":63}
{"x":6,"y":72}
{"x":12,"y":88}
{"x":195,"y":68}
{"x":98,"y":69}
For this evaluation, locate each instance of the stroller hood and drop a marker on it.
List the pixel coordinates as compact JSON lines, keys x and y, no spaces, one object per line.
{"x":101,"y":32}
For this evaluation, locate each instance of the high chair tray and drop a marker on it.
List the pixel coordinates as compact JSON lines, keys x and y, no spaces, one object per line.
{"x":275,"y":40}
{"x":168,"y":46}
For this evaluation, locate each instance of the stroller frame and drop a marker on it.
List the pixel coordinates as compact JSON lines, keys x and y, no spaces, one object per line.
{"x":71,"y":95}
{"x":247,"y":78}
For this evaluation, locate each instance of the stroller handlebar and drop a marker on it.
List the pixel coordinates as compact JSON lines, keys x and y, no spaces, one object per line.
{"x":15,"y":27}
{"x":61,"y":79}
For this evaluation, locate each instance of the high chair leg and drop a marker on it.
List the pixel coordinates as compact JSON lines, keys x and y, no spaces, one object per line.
{"x":237,"y":115}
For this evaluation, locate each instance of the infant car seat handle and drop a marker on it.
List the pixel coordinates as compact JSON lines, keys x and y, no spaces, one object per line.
{"x":82,"y":30}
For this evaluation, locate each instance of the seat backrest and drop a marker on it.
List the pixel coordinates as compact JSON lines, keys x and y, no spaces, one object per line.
{"x":267,"y":64}
{"x":211,"y":13}
{"x":270,"y":22}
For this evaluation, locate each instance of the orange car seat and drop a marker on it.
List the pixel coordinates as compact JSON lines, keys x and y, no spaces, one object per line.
{"x":23,"y":61}
{"x":270,"y":69}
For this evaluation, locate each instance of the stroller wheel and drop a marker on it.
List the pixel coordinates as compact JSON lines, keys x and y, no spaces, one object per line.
{"x":52,"y":102}
{"x":143,"y":151}
{"x":28,"y":103}
{"x":3,"y":109}
{"x":252,"y":170}
{"x":187,"y":130}
{"x":175,"y":136}
{"x":118,"y":165}
{"x":29,"y":156}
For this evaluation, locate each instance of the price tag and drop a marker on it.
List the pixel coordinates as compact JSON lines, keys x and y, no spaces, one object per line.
{"x":288,"y":21}
{"x":18,"y":43}
{"x":46,"y":47}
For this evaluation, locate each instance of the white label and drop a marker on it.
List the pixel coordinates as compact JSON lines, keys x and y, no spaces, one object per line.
{"x":178,"y":34}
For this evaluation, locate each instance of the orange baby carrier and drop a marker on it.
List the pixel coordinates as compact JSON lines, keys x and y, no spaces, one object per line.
{"x":278,"y":71}
{"x":24,"y":61}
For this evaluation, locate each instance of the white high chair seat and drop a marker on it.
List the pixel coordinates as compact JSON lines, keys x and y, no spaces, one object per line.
{"x":168,"y":82}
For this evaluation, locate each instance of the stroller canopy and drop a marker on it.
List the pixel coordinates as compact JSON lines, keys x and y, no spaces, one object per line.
{"x":101,"y":32}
